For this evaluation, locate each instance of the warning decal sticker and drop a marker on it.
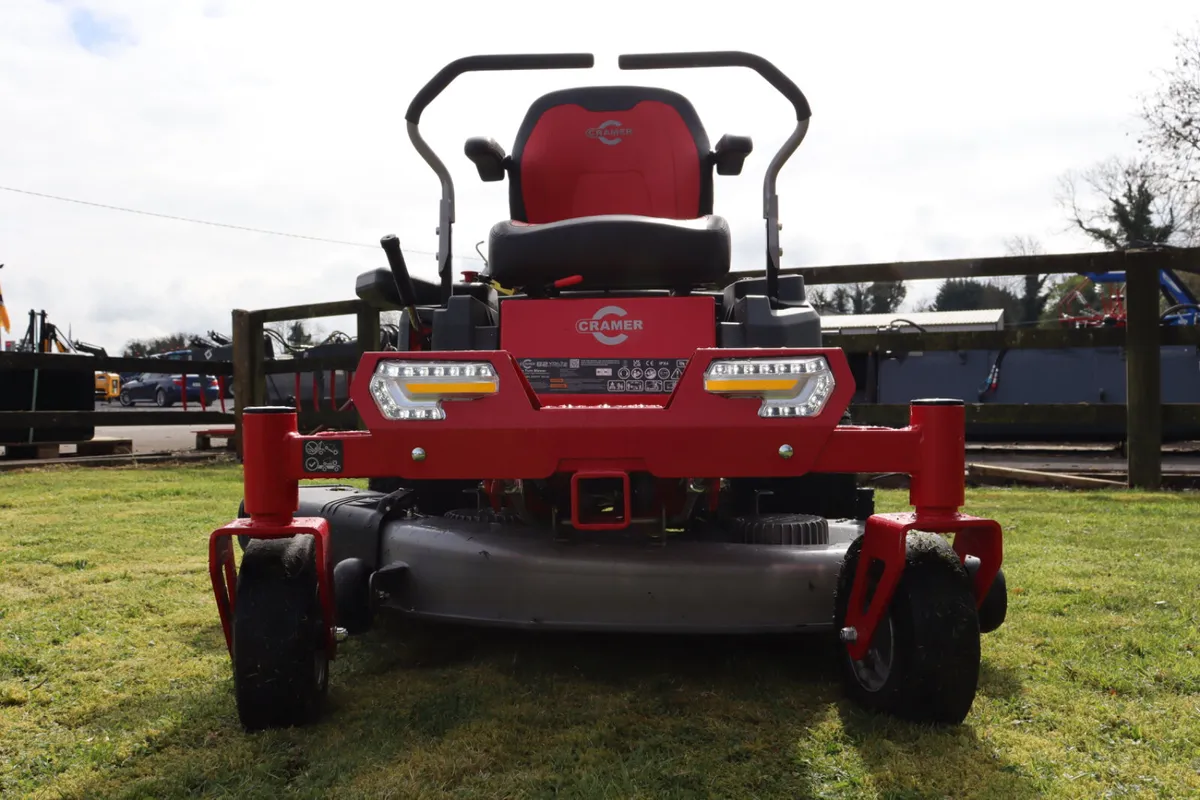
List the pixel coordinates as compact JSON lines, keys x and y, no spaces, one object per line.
{"x":603,"y":375}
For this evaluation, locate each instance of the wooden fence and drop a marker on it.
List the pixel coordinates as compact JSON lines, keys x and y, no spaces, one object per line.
{"x":1143,"y":414}
{"x":195,"y":413}
{"x":1142,"y":337}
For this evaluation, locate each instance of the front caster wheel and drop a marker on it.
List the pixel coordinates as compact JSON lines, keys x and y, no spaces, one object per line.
{"x":923,"y":663}
{"x":280,"y":664}
{"x":994,"y":609}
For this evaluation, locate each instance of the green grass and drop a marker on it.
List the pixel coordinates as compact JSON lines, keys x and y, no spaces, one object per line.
{"x":114,"y":679}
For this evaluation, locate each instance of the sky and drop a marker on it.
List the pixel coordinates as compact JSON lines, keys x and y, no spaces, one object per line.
{"x":939,"y":130}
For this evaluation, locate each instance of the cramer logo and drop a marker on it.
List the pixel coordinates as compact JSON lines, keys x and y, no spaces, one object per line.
{"x":609,"y":132}
{"x":608,"y":325}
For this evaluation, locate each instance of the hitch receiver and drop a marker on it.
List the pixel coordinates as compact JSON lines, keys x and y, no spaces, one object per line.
{"x":619,"y":518}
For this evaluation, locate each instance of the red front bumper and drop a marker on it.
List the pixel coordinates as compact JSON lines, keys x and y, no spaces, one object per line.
{"x":511,"y":435}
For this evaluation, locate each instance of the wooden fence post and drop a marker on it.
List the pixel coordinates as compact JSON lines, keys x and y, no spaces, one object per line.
{"x":368,"y":329}
{"x":368,"y":335}
{"x":258,"y":356}
{"x":243,"y":369}
{"x":1143,"y":378}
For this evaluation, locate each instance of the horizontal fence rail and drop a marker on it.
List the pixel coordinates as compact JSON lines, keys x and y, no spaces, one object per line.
{"x":1013,"y":339}
{"x":83,"y":363}
{"x":32,"y":419}
{"x":41,"y":420}
{"x":1178,"y":259}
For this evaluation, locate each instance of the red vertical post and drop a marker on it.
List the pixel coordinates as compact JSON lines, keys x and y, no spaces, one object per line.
{"x":938,"y":486}
{"x":271,"y":496}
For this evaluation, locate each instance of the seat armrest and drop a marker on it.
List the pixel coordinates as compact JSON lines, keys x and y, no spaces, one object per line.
{"x":730,"y":154}
{"x":377,"y":288}
{"x":488,"y":157}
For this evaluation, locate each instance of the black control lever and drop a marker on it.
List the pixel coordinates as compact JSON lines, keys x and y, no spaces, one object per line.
{"x":404,"y":284}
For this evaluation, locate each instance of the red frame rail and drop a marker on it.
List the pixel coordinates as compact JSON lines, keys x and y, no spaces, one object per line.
{"x":511,"y":435}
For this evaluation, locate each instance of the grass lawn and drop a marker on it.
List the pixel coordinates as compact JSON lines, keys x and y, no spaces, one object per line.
{"x":115,"y":682}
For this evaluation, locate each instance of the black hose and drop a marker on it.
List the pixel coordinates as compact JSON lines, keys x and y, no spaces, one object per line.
{"x":892,"y":324}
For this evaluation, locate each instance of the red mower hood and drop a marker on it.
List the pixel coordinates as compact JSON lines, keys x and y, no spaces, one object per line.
{"x":606,"y":350}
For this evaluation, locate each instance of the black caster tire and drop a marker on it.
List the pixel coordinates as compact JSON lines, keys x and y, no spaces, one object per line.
{"x":923,"y":665}
{"x":280,"y":664}
{"x":994,"y":608}
{"x":352,"y":595}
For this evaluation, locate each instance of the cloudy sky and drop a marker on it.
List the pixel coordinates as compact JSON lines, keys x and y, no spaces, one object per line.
{"x":939,"y":131}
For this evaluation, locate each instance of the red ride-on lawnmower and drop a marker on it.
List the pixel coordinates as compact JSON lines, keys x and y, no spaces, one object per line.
{"x":611,"y":441}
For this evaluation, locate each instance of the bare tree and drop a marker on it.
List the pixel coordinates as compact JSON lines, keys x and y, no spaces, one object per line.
{"x":1172,"y":113}
{"x":858,"y":298}
{"x":1030,"y":290}
{"x":296,"y":333}
{"x":1124,"y":202}
{"x":1171,"y":140}
{"x":1130,"y":203}
{"x":1023,"y":246}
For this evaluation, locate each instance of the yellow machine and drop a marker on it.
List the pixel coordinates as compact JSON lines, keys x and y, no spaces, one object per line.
{"x":45,"y":338}
{"x":5,"y":323}
{"x":108,"y":386}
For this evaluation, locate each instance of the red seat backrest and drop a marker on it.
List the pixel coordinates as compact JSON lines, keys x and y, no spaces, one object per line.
{"x":610,"y":150}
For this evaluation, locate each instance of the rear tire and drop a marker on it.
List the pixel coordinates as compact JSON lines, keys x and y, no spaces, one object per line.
{"x":433,"y":498}
{"x":790,"y":529}
{"x":923,"y":665}
{"x":485,"y":514}
{"x":280,"y":664}
{"x":384,"y":485}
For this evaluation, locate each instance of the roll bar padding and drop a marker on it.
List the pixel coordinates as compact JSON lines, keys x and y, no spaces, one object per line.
{"x":723,"y":58}
{"x":491,"y":63}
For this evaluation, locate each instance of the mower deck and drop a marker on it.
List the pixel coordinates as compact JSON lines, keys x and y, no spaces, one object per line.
{"x":515,"y":575}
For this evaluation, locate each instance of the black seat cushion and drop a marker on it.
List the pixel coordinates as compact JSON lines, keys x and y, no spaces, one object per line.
{"x":611,"y":252}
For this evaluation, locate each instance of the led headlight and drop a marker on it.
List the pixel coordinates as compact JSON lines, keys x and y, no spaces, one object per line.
{"x":416,"y":389}
{"x":789,"y":387}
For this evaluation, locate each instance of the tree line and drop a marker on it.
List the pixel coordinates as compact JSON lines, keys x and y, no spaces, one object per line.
{"x":1146,"y":198}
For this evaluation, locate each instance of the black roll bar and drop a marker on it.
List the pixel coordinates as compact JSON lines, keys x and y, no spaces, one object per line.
{"x":492,"y":63}
{"x":785,"y":86}
{"x":439,"y":82}
{"x":723,"y":58}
